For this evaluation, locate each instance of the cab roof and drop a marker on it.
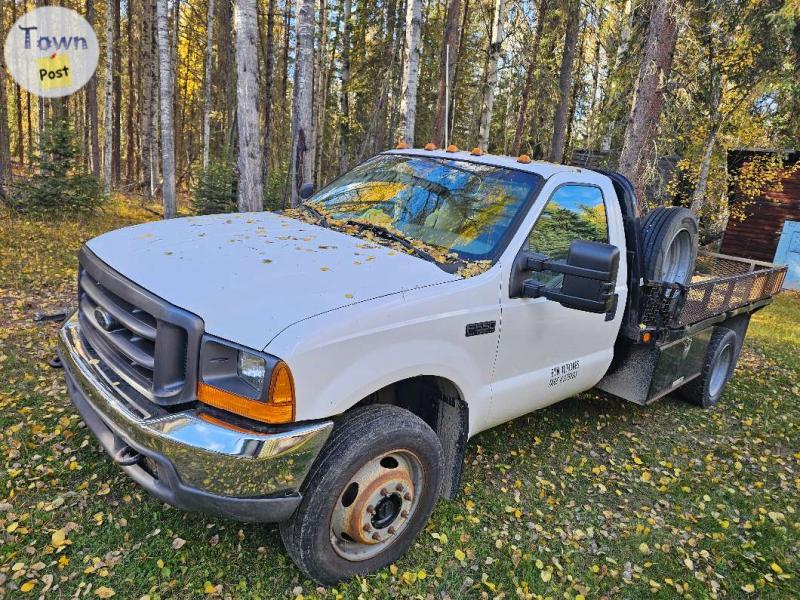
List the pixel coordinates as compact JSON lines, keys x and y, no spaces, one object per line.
{"x":540,"y":167}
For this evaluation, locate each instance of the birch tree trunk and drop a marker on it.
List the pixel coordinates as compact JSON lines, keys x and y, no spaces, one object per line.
{"x":565,"y":83}
{"x":108,"y":108}
{"x":450,"y":40}
{"x":622,"y":49}
{"x":344,"y":93}
{"x":522,"y":111}
{"x":207,"y":85}
{"x":147,"y":116}
{"x":116,"y":153}
{"x":715,"y":122}
{"x":638,"y":147}
{"x":302,"y":120}
{"x":91,"y":103}
{"x":408,"y":100}
{"x":251,"y":185}
{"x":132,"y":94}
{"x":167,"y":124}
{"x":490,"y":86}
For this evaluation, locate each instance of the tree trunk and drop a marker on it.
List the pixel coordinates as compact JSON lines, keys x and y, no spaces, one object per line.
{"x":91,"y":103}
{"x":624,"y":43}
{"x":18,"y":97}
{"x":522,"y":111}
{"x":251,"y":185}
{"x":449,"y":40}
{"x":269,"y":80}
{"x":565,"y":83}
{"x":344,"y":94}
{"x":116,"y":154}
{"x":226,"y":71}
{"x":108,"y":107}
{"x":166,"y":110}
{"x":130,"y":152}
{"x":318,"y":109}
{"x":147,"y":116}
{"x":302,"y":120}
{"x":638,"y":148}
{"x":454,"y":82}
{"x":490,"y":86}
{"x":408,"y":100}
{"x":207,"y":85}
{"x":5,"y":150}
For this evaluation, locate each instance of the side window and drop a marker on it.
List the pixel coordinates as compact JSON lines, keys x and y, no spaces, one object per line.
{"x":574,"y":212}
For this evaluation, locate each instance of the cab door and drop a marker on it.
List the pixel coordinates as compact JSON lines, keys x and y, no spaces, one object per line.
{"x":548,"y":352}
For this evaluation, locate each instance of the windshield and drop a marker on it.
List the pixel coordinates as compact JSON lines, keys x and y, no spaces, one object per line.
{"x":464,"y":207}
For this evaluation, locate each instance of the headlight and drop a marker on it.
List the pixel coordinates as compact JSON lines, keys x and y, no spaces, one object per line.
{"x":252,"y":368}
{"x":245,"y":382}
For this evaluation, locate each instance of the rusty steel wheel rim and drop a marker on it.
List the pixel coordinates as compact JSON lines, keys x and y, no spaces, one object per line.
{"x":376,"y":505}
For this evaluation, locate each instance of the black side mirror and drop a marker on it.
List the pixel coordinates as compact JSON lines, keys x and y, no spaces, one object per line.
{"x":590,"y":276}
{"x":306,"y":191}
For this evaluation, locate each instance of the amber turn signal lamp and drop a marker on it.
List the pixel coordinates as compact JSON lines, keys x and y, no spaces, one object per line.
{"x":476,"y":151}
{"x":401,"y":145}
{"x":430,"y":146}
{"x":524,"y":159}
{"x":646,"y":337}
{"x":279,"y":407}
{"x":452,"y":148}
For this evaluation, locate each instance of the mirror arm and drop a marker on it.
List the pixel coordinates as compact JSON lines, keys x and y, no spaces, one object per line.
{"x":533,"y":289}
{"x":539,"y":262}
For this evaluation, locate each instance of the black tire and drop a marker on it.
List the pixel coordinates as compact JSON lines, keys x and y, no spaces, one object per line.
{"x":358,"y":439}
{"x":670,"y":237}
{"x":718,"y":366}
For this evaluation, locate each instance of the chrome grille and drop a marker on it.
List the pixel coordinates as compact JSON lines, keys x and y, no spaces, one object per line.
{"x":145,"y":340}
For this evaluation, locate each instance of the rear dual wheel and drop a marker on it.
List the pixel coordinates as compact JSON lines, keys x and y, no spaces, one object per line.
{"x":370,"y":492}
{"x":720,"y":361}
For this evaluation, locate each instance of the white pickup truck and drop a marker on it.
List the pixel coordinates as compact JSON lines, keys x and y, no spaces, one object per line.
{"x":324,"y":368}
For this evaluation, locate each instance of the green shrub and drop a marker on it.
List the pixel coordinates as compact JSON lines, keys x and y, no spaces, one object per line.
{"x":217,"y":189}
{"x":61,"y":184}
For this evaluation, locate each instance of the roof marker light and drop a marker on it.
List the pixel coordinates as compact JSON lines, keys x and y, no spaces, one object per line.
{"x":452,"y":148}
{"x":476,"y":151}
{"x":430,"y":146}
{"x":524,"y":159}
{"x":401,"y":145}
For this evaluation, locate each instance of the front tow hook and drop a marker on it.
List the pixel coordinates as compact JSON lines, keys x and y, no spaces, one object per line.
{"x":126,"y":456}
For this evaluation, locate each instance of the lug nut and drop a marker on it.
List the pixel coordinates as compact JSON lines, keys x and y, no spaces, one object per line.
{"x":376,"y":537}
{"x":399,"y":487}
{"x":384,"y":492}
{"x":404,"y":513}
{"x":407,"y":496}
{"x":367,"y":527}
{"x":371,"y":509}
{"x":392,"y":530}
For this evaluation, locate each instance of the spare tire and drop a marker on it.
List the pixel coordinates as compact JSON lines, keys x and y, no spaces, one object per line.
{"x":670,"y":236}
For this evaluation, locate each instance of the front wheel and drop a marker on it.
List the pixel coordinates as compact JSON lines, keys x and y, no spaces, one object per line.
{"x":367,"y":496}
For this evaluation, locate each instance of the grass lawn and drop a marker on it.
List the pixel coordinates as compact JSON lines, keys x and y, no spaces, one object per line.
{"x":591,"y":498}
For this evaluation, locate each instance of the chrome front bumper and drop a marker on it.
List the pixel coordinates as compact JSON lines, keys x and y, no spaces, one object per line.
{"x":193,"y":463}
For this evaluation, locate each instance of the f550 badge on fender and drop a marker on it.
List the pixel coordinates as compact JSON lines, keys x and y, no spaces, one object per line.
{"x":564,"y":372}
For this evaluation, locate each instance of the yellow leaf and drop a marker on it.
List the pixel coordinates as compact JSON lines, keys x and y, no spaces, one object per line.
{"x":459,"y":555}
{"x":59,"y":537}
{"x":27,"y":586}
{"x":644,"y":548}
{"x":749,"y":588}
{"x":104,"y":592}
{"x":546,"y":576}
{"x":777,"y":568}
{"x":646,"y":476}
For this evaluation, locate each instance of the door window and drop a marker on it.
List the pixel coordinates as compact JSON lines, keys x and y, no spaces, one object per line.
{"x":574,"y":212}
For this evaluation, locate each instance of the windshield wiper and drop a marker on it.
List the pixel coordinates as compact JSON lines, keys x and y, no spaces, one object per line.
{"x":391,"y":235}
{"x":321,"y":219}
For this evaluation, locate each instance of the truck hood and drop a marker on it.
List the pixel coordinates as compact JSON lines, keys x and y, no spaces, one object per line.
{"x":251,"y":275}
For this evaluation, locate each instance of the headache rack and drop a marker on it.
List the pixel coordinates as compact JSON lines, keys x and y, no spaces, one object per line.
{"x":721,"y":286}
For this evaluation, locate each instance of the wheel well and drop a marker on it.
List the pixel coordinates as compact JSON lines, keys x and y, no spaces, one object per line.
{"x":438,"y":402}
